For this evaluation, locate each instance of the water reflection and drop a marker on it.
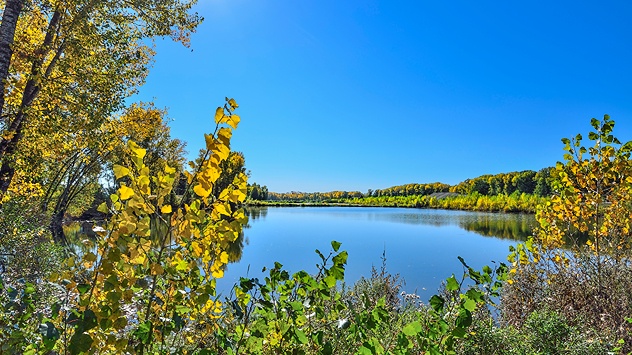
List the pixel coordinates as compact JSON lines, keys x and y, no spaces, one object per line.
{"x":255,"y":213}
{"x":78,"y":231}
{"x":421,"y":245}
{"x":516,"y":227}
{"x":496,"y":225}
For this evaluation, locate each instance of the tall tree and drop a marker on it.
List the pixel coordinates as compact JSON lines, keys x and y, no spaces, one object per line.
{"x":12,"y":10}
{"x":80,"y":165}
{"x":76,"y":61}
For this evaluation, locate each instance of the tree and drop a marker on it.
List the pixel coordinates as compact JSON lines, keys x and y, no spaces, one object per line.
{"x":12,"y":10}
{"x":481,"y":186}
{"x":525,"y":181}
{"x":75,"y":62}
{"x":592,"y":205}
{"x":80,"y":164}
{"x":578,"y":262}
{"x":148,"y":283}
{"x":543,"y":183}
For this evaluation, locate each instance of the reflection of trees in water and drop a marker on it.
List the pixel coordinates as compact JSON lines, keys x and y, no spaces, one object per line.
{"x":255,"y":213}
{"x":516,"y":227}
{"x":236,"y":249}
{"x":498,"y":225}
{"x":77,"y":232}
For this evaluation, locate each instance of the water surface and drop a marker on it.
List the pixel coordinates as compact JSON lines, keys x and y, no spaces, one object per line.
{"x":421,"y":245}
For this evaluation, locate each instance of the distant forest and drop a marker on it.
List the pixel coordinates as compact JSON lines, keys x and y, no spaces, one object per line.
{"x":518,"y":182}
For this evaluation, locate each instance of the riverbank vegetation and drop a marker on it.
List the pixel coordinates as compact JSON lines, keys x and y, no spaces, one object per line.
{"x":507,"y":192}
{"x":146,"y":281}
{"x":514,"y":203}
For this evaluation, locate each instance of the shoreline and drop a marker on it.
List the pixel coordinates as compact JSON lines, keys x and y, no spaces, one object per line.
{"x":254,"y":203}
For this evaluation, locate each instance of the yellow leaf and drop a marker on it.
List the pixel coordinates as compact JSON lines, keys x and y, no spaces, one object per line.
{"x":200,"y":191}
{"x":137,"y":258}
{"x":219,"y":115}
{"x":89,"y":256}
{"x":103,"y":208}
{"x":169,"y":170}
{"x":120,"y":171}
{"x":232,"y":103}
{"x":218,"y":273}
{"x":136,"y":150}
{"x":221,"y":209}
{"x":166,"y":209}
{"x":237,"y":196}
{"x":156,"y":269}
{"x":233,"y":121}
{"x":125,"y":192}
{"x":224,"y":134}
{"x":197,"y":250}
{"x":223,"y":257}
{"x":189,"y":176}
{"x":210,"y":141}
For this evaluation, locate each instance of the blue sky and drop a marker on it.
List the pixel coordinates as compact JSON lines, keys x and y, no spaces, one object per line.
{"x":352,"y":95}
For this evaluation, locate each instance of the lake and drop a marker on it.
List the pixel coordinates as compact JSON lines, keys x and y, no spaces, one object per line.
{"x":421,"y":245}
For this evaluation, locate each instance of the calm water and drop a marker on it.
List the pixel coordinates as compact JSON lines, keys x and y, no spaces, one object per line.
{"x":421,"y":245}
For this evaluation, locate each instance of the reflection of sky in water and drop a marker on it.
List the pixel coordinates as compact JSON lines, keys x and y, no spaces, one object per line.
{"x":421,"y":245}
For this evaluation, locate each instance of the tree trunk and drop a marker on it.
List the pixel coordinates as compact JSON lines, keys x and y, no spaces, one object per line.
{"x":56,"y":228}
{"x":8,"y":146}
{"x":10,"y":16}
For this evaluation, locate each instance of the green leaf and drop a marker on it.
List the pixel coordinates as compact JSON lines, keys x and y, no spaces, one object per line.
{"x":470,"y":305}
{"x":80,"y":343}
{"x":89,"y":320}
{"x":475,"y":275}
{"x":412,"y":329}
{"x":300,"y":336}
{"x":48,"y":331}
{"x":458,"y":332}
{"x":83,"y":288}
{"x":474,"y":294}
{"x":627,"y":147}
{"x":180,"y":309}
{"x":464,"y":319}
{"x":297,"y":306}
{"x":452,"y":284}
{"x":335,"y":245}
{"x":120,"y":171}
{"x":330,"y":281}
{"x":437,"y":303}
{"x":143,"y":332}
{"x":463,"y":262}
{"x":29,"y":288}
{"x":54,"y":310}
{"x":341,"y":258}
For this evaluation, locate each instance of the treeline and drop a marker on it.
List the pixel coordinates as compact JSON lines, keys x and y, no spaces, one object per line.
{"x":410,"y":190}
{"x":527,"y":181}
{"x":507,"y":186}
{"x":257,"y":192}
{"x":295,"y":196}
{"x":516,"y":202}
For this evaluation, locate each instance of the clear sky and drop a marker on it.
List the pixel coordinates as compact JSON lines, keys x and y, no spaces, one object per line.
{"x":359,"y":94}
